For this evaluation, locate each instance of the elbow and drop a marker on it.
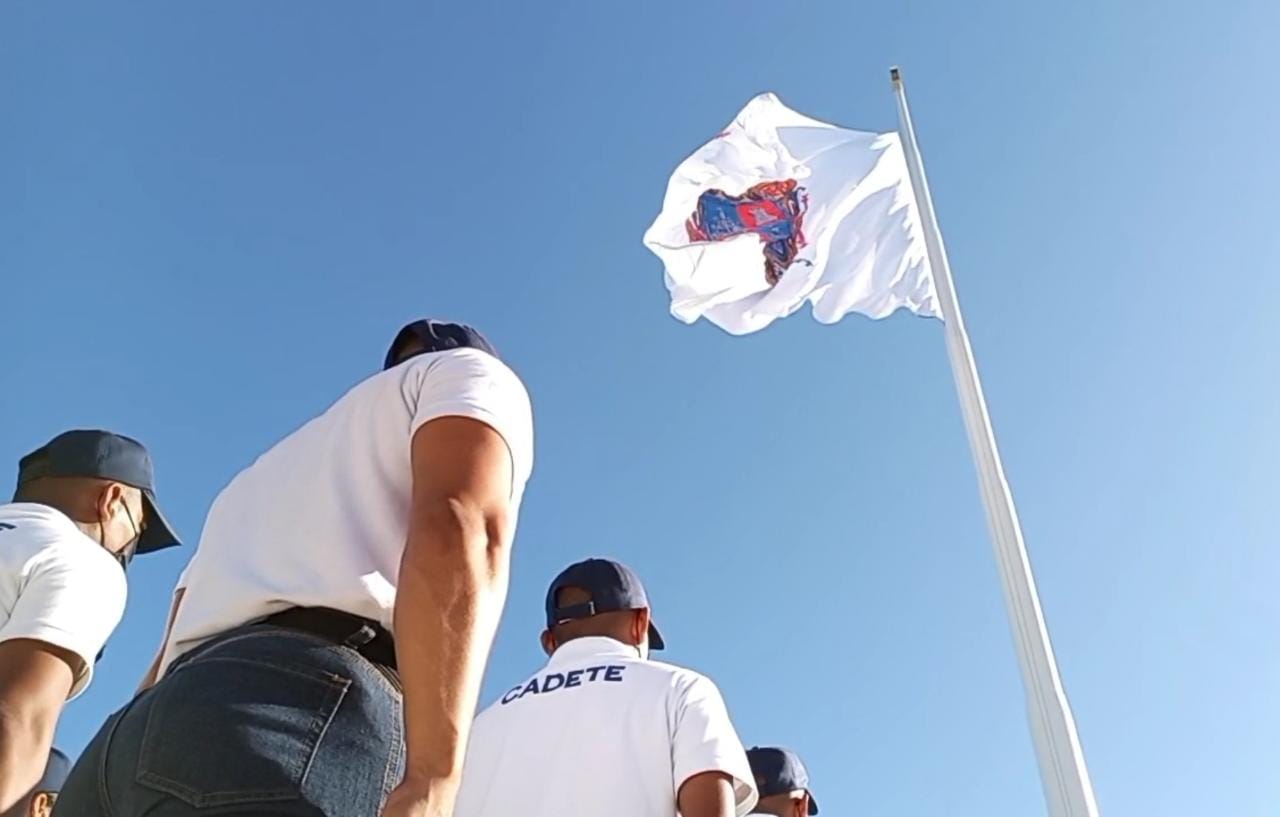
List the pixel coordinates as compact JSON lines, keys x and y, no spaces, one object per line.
{"x":454,"y":535}
{"x":26,"y":724}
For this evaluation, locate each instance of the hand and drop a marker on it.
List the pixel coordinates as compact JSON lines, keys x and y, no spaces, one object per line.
{"x":415,"y":799}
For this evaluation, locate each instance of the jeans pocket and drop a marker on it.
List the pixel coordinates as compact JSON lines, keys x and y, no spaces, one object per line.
{"x":232,"y":731}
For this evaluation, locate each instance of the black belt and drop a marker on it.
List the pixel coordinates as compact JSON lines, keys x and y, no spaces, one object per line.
{"x":365,"y":636}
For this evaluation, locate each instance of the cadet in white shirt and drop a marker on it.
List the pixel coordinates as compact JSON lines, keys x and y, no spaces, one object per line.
{"x":85,"y":503}
{"x":601,"y":729}
{"x":369,"y":546}
{"x":783,"y":782}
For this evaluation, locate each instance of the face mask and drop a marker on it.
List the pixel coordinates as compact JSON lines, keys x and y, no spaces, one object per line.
{"x":125,"y":554}
{"x":642,"y":649}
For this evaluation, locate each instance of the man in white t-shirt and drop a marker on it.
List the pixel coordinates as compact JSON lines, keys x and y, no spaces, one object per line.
{"x":601,"y":729}
{"x":328,"y":638}
{"x":85,"y":503}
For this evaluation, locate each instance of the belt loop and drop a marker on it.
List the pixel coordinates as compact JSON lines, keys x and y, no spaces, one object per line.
{"x":360,"y":637}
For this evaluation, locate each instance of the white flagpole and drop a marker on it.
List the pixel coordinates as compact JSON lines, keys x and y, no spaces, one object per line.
{"x":1063,"y":774}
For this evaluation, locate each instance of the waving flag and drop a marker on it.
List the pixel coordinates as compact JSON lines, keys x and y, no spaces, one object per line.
{"x":781,"y":209}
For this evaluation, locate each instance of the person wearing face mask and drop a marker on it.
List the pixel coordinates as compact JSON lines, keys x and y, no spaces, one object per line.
{"x":601,"y":729}
{"x":84,"y":505}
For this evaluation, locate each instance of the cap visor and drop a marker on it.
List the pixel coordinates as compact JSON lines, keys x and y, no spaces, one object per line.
{"x":656,"y":642}
{"x":813,"y":804}
{"x":159,"y":533}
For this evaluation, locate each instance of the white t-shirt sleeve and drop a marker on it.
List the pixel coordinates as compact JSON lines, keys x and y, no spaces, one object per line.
{"x":471,"y":383}
{"x":72,"y":600}
{"x":705,"y":741}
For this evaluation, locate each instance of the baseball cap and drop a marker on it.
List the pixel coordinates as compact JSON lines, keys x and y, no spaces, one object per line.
{"x":612,"y":585}
{"x":779,"y":771}
{"x":55,"y":772}
{"x":436,"y":336}
{"x":86,"y":453}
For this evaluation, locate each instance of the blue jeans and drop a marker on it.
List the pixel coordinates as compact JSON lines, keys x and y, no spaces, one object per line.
{"x":262,"y":721}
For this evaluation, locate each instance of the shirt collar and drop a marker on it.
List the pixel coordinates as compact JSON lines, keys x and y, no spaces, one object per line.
{"x":589,"y":646}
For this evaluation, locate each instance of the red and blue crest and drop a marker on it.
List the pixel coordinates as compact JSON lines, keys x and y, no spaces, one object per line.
{"x":774,"y":211}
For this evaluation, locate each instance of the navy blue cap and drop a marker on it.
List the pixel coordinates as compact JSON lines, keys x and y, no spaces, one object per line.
{"x":55,"y":773}
{"x":106,"y":456}
{"x":612,"y":585}
{"x":779,"y":771}
{"x":435,"y":336}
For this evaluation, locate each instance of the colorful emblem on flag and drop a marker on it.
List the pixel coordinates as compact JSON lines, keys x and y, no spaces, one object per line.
{"x":774,"y":211}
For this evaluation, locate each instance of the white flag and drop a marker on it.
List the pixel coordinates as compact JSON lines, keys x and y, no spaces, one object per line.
{"x":780,"y":209}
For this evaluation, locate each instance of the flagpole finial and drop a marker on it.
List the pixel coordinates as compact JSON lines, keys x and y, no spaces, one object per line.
{"x":895,"y":75}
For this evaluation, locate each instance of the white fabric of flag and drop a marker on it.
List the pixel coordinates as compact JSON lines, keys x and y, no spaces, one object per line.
{"x":781,"y":209}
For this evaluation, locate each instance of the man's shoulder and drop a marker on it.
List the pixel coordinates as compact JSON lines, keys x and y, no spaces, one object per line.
{"x":676,"y":672}
{"x":684,"y":684}
{"x":674,"y":679}
{"x":453,"y":373}
{"x":450,"y":360}
{"x":78,"y":586}
{"x":437,"y":377}
{"x":28,"y":528}
{"x":33,"y":514}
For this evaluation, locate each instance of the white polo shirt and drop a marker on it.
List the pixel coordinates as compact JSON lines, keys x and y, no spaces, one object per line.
{"x":600,"y":731}
{"x":322,"y":518}
{"x":57,"y":585}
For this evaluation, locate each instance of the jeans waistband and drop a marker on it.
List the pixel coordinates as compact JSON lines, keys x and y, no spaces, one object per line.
{"x":365,"y":636}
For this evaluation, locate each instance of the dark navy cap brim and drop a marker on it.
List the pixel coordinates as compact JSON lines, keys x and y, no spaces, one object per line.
{"x":612,"y":586}
{"x":656,"y":641}
{"x":158,"y":534}
{"x":779,"y":771}
{"x":55,"y":773}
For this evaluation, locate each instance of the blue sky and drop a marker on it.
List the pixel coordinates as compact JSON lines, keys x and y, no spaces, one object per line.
{"x":213,"y":216}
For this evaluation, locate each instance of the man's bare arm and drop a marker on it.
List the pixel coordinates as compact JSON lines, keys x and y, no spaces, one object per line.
{"x":452,"y":586}
{"x":709,"y":794}
{"x":35,"y":679}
